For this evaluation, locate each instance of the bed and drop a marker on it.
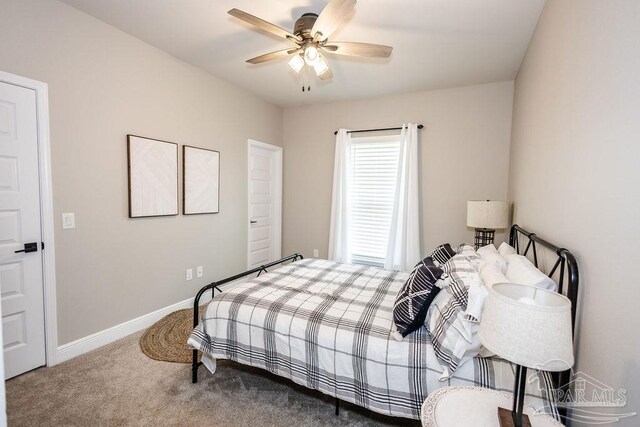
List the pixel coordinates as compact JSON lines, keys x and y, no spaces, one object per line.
{"x":329,"y":326}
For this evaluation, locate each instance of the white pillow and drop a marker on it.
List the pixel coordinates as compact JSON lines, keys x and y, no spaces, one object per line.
{"x":465,"y":247}
{"x":521,"y":270}
{"x":490,"y":254}
{"x":488,"y":249}
{"x":490,"y":274}
{"x":506,"y":249}
{"x":476,"y":296}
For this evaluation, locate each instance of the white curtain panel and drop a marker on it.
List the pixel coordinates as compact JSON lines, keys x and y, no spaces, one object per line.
{"x":403,"y":250}
{"x":339,"y":248}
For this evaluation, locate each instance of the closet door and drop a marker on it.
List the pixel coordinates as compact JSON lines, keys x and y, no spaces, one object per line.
{"x":20,"y":233}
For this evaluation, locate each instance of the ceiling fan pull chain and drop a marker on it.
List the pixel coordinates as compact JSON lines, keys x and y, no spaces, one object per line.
{"x":301,"y":78}
{"x":309,"y":77}
{"x":305,"y":77}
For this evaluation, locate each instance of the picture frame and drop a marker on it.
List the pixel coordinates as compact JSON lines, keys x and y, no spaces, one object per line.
{"x":200,"y":181}
{"x":152,"y":166}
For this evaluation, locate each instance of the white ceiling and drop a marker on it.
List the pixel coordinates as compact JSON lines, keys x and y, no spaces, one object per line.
{"x":437,"y":43}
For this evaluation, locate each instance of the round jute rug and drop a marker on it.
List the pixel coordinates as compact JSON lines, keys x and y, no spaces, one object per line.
{"x":166,"y":339}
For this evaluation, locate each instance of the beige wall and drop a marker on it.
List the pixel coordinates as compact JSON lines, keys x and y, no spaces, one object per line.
{"x":104,"y":84}
{"x":464,"y":155}
{"x":574,"y":175}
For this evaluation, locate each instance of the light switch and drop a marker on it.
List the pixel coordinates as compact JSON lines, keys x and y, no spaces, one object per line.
{"x":68,"y":220}
{"x":199,"y":271}
{"x":189,"y":273}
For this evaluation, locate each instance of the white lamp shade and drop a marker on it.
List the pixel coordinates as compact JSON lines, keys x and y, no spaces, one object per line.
{"x":310,"y":55}
{"x":528,"y":326}
{"x":320,"y":66}
{"x":492,"y":214}
{"x":296,"y":63}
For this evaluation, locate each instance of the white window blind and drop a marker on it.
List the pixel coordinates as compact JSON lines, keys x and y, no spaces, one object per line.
{"x":373,"y":187}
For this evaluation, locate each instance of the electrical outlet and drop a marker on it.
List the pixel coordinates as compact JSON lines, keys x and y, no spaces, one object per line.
{"x":199,"y":271}
{"x":315,"y":253}
{"x":189,"y":273}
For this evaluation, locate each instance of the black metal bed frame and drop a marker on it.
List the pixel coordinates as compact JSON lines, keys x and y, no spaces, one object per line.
{"x":214,"y":286}
{"x":567,"y":263}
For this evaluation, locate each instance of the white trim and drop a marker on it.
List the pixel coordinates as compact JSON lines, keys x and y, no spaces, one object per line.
{"x":46,"y":209}
{"x":3,"y":396}
{"x":114,"y":333}
{"x":276,"y":243}
{"x":109,"y":335}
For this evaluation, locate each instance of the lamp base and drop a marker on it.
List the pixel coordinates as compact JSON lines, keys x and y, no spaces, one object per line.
{"x":507,"y":419}
{"x":484,"y":237}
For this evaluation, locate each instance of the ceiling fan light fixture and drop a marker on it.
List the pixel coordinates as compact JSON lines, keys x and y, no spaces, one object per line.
{"x":320,"y":66}
{"x":296,"y":63}
{"x":310,"y":54}
{"x":310,"y":35}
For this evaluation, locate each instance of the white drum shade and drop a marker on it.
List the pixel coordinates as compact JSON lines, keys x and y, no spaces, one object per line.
{"x":492,"y":214}
{"x":528,"y":326}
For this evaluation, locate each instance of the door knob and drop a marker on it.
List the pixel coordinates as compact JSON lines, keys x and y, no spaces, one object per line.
{"x":253,"y":222}
{"x":29,"y":247}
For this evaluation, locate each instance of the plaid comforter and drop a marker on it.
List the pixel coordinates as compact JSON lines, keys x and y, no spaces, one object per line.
{"x":329,"y":326}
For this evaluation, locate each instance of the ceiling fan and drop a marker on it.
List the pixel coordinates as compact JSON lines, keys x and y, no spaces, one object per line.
{"x":311,"y":39}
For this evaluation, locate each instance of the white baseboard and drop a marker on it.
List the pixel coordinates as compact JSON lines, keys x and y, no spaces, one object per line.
{"x":114,"y":333}
{"x":109,"y":335}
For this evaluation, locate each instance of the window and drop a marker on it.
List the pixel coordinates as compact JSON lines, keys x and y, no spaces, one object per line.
{"x":375,"y":215}
{"x":374,"y":167}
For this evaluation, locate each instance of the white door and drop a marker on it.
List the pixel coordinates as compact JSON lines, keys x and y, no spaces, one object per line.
{"x":265,"y":203}
{"x":20,"y":272}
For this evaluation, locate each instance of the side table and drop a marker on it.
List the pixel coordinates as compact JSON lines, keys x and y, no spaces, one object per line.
{"x":473,"y":406}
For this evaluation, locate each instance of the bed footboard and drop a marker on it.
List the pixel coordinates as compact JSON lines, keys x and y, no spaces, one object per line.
{"x":215,"y":286}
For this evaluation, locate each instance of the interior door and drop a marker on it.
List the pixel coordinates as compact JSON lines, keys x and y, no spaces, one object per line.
{"x":20,"y":235}
{"x":265,"y":176}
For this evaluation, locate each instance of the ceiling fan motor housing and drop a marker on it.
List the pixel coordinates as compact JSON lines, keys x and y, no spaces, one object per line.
{"x":304,"y":25}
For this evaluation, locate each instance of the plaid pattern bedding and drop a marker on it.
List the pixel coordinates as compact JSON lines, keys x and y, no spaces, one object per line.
{"x":328,"y":326}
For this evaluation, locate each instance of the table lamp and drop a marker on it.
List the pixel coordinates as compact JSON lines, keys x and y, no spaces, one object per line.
{"x":486,"y":216}
{"x":530,"y":327}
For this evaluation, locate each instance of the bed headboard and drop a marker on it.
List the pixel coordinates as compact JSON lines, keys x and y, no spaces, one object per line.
{"x":565,"y":265}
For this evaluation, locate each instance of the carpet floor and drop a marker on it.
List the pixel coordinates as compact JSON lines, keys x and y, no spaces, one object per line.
{"x":117,"y":385}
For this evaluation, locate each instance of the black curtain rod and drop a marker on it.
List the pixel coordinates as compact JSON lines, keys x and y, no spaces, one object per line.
{"x":374,"y":130}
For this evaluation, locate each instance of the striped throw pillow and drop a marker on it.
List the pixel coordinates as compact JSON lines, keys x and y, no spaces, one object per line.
{"x":413,"y":300}
{"x":442,"y":254}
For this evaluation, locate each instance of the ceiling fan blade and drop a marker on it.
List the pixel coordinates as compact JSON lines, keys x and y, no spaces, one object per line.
{"x":272,"y":55}
{"x":263,"y":25}
{"x":327,"y":75}
{"x":330,"y":18}
{"x":358,"y":49}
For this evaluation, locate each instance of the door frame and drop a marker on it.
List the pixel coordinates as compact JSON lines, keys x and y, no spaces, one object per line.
{"x":276,"y":243}
{"x":46,"y":210}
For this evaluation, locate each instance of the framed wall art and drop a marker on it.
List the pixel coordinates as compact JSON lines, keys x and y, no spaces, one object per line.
{"x":200,"y":180}
{"x":153,"y":177}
